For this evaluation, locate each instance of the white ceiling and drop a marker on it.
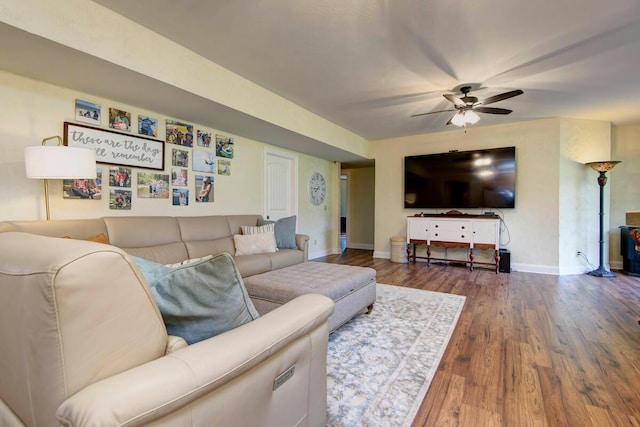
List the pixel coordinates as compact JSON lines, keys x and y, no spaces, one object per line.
{"x":369,"y":65}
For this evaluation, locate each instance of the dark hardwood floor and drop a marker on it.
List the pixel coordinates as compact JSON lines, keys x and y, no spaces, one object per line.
{"x":529,"y":349}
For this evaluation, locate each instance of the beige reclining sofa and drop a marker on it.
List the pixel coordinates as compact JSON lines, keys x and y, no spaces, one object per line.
{"x":166,"y":239}
{"x":84,"y":344}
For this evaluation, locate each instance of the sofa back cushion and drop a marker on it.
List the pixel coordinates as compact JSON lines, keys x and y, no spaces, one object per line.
{"x":155,"y":238}
{"x":210,"y":235}
{"x":237,"y":221}
{"x":71,"y":313}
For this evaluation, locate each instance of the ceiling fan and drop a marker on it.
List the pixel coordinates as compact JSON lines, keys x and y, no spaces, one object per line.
{"x":468,"y":106}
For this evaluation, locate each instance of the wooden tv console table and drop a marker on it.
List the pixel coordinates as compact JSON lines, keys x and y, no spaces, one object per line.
{"x":454,"y":231}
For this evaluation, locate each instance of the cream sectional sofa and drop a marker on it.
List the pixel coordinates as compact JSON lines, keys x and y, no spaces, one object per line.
{"x":83,"y":341}
{"x":167,"y":239}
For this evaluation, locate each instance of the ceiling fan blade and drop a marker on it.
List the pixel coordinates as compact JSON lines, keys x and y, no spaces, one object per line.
{"x":496,"y":98}
{"x":491,"y":110}
{"x":432,"y":112}
{"x":456,"y":101}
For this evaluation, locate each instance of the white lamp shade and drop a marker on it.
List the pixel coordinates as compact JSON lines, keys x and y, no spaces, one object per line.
{"x":59,"y":162}
{"x":458,"y":119}
{"x":472,"y":117}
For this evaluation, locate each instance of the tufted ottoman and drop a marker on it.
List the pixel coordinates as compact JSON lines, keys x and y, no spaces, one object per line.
{"x":352,"y":289}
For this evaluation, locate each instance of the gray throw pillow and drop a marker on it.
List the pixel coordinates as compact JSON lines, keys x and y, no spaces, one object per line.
{"x":285,"y":231}
{"x":201,"y":299}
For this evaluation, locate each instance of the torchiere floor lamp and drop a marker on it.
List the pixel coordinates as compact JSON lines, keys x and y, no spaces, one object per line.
{"x":602,"y":168}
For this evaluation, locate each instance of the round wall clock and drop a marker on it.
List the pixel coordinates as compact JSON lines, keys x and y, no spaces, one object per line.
{"x":317,"y":188}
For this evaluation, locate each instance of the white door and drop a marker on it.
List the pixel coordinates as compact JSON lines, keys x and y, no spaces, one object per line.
{"x":281,"y":183}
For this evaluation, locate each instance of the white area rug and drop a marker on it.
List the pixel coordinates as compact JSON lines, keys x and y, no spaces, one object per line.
{"x":380,"y":365}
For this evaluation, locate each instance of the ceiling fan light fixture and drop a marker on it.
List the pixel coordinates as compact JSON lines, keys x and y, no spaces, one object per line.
{"x":464,"y":106}
{"x":458,"y":119}
{"x":463,"y":118}
{"x":471,"y":117}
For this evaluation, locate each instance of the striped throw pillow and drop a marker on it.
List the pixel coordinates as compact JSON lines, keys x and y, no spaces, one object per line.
{"x":257,"y":229}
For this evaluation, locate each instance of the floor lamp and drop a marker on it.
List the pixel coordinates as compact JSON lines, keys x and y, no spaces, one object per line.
{"x":58,"y":162}
{"x":602,"y":168}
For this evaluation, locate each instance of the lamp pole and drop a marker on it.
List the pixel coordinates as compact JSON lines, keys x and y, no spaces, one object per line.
{"x":602,"y":168}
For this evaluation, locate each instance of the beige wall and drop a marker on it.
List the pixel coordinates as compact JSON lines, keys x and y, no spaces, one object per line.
{"x":557,"y":197}
{"x":542,"y":229}
{"x":360,"y":207}
{"x":624,"y":183}
{"x":31,"y":110}
{"x":581,"y":141}
{"x":550,"y":180}
{"x":324,"y":219}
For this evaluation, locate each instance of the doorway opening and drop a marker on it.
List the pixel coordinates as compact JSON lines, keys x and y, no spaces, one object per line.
{"x":357,"y":205}
{"x":343,"y":212}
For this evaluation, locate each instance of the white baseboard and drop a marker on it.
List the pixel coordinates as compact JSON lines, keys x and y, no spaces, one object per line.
{"x":367,"y":246}
{"x":527,"y":268}
{"x":319,"y":254}
{"x":381,"y":254}
{"x":617,"y":265}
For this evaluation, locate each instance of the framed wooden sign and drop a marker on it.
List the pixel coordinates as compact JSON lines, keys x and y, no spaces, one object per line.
{"x":116,"y":148}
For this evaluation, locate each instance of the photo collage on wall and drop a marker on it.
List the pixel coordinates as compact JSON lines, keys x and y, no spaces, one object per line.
{"x":197,"y":155}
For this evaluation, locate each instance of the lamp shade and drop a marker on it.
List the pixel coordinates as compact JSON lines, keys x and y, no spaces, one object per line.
{"x":472,"y":117}
{"x":59,"y":162}
{"x":458,"y":119}
{"x":603,"y":166}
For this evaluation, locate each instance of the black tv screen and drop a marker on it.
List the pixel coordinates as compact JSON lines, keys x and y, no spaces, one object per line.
{"x":461,"y":179}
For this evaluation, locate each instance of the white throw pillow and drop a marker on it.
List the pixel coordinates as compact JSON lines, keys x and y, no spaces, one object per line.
{"x":255,"y":243}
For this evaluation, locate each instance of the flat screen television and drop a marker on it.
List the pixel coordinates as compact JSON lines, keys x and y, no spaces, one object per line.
{"x":461,"y":179}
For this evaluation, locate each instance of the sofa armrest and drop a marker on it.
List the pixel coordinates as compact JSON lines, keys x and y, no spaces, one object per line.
{"x":170,"y":383}
{"x":302,"y":240}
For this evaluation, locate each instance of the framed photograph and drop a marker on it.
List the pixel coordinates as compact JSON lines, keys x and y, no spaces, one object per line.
{"x":116,"y":148}
{"x":204,"y":139}
{"x":180,"y":197}
{"x":147,"y":126}
{"x":88,"y":112}
{"x":224,"y":146}
{"x":120,"y":177}
{"x":179,"y":157}
{"x":204,"y":161}
{"x":204,"y":189}
{"x":153,"y":185}
{"x":119,"y":119}
{"x":120,"y":199}
{"x":179,"y":177}
{"x":224,"y":167}
{"x":89,"y":189}
{"x":179,"y":133}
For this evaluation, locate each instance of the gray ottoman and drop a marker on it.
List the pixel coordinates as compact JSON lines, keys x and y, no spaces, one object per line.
{"x":353,"y":289}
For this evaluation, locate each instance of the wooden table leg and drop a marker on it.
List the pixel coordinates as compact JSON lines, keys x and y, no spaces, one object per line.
{"x":497,"y":257}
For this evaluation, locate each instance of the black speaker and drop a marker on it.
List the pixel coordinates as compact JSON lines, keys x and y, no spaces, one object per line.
{"x":505,"y":261}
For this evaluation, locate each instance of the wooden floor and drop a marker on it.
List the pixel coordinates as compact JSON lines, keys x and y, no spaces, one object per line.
{"x":529,"y":349}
